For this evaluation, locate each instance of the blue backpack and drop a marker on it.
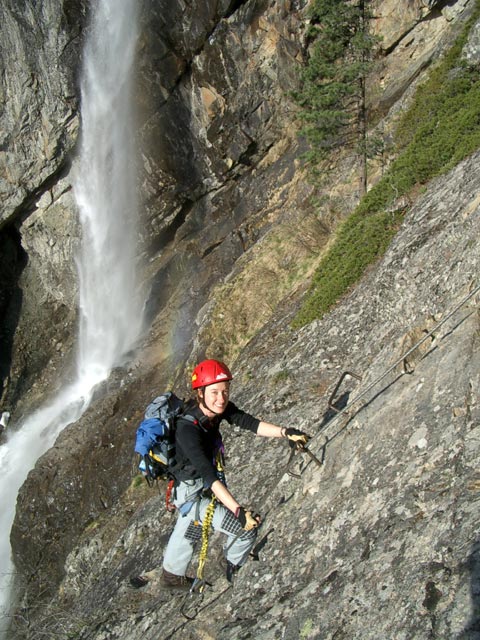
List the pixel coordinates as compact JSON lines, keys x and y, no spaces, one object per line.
{"x":155,"y":437}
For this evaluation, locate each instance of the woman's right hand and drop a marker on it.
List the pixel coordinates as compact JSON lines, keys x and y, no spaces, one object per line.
{"x":248,"y":519}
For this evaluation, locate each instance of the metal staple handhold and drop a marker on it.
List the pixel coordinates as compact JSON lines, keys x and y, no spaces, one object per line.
{"x":395,"y":364}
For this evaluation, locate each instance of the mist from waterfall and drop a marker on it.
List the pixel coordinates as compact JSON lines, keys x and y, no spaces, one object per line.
{"x":110,"y":312}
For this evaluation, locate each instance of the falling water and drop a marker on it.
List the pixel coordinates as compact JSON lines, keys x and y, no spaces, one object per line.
{"x":110,"y":318}
{"x":105,"y":192}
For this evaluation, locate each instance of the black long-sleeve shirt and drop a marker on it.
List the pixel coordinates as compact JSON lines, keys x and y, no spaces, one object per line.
{"x":198,"y":442}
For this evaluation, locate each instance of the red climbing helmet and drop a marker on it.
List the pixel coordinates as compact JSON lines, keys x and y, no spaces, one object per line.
{"x":208,"y":372}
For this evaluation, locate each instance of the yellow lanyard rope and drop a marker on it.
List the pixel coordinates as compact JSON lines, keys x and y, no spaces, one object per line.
{"x":207,"y":523}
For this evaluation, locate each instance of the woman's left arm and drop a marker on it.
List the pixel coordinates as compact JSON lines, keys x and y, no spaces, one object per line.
{"x":295,"y":437}
{"x":234,"y":415}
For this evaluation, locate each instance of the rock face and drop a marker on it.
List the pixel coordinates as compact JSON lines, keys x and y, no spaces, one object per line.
{"x":39,"y":53}
{"x":411,"y":34}
{"x":384,"y":542}
{"x":381,"y":540}
{"x":381,"y":537}
{"x":219,"y":163}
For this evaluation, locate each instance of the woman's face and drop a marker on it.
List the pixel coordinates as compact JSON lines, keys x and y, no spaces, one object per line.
{"x":215,"y":398}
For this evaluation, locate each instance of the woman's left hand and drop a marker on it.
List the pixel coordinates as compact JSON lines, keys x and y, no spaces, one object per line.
{"x":296,"y":437}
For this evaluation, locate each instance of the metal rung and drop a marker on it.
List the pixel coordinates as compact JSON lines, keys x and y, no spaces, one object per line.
{"x":344,"y":375}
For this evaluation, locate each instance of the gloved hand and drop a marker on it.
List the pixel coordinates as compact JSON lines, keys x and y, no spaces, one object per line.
{"x":248,"y":519}
{"x":296,"y":437}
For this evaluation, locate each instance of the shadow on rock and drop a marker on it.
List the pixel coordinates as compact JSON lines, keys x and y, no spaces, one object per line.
{"x":472,"y":628}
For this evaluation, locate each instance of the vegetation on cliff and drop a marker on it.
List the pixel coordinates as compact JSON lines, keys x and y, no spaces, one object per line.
{"x":332,"y":97}
{"x":441,"y":127}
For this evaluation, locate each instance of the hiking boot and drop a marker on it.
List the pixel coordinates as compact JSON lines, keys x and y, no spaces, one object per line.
{"x":173,"y":581}
{"x":231,"y":570}
{"x":137,"y":582}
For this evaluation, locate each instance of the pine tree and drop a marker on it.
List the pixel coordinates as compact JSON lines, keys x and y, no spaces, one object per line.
{"x":332,"y":95}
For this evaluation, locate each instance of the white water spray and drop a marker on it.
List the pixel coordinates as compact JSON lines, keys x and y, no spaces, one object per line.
{"x":110,"y":313}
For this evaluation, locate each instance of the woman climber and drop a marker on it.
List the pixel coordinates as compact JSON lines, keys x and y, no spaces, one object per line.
{"x":199,"y":475}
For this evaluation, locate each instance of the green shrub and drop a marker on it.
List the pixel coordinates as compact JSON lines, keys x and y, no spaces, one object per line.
{"x":360,"y":241}
{"x":441,"y":128}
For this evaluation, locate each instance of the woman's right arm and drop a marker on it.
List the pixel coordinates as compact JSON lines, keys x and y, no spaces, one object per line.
{"x":225,"y":497}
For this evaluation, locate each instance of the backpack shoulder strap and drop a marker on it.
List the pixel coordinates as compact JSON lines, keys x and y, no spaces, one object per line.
{"x":203,"y":421}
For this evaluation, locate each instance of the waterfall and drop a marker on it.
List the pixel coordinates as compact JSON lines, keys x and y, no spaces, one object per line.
{"x":105,"y":192}
{"x":110,"y":312}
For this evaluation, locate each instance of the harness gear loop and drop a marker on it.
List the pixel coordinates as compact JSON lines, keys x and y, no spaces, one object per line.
{"x":168,"y":496}
{"x":219,"y":465}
